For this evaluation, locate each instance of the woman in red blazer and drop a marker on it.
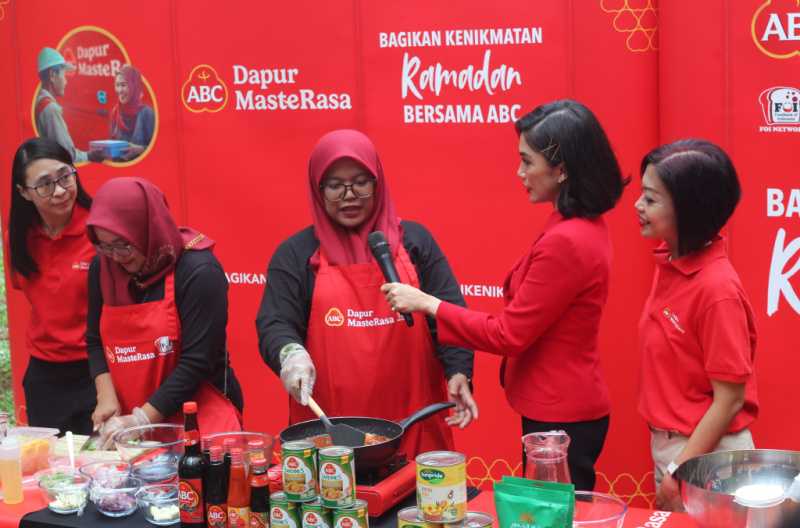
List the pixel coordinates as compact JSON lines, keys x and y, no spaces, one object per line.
{"x":556,"y":292}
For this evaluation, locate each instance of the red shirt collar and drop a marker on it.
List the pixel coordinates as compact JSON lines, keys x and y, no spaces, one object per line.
{"x":75,"y":228}
{"x":695,"y":261}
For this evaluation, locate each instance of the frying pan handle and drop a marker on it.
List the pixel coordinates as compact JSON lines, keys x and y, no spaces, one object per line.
{"x":424,"y":413}
{"x":319,"y":412}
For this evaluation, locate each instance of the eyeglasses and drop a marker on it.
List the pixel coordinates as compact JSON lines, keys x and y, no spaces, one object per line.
{"x":109,"y":250}
{"x":335,"y":191}
{"x":65,"y":180}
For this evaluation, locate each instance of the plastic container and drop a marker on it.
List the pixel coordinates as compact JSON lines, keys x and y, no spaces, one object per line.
{"x":65,"y":491}
{"x":36,"y":444}
{"x":106,"y":474}
{"x":110,"y":148}
{"x":159,"y":504}
{"x":153,"y":451}
{"x":116,"y":501}
{"x":10,"y":471}
{"x":598,"y":510}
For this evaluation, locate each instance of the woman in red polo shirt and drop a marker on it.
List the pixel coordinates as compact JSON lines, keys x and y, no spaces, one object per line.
{"x":697,"y":332}
{"x":556,"y":292}
{"x":49,"y":255}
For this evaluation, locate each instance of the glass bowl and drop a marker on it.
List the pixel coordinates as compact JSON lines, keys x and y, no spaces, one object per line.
{"x":63,"y":489}
{"x":116,"y":501}
{"x":106,"y":474}
{"x":598,"y":510}
{"x":159,"y":504}
{"x":153,"y":451}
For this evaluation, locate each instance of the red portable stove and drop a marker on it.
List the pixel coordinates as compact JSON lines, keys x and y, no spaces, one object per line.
{"x":386,"y":487}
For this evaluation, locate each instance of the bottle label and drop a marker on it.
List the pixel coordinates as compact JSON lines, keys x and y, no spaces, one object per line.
{"x":259,"y":520}
{"x":190,"y":492}
{"x":217,"y":516}
{"x":239,"y":517}
{"x":191,"y":437}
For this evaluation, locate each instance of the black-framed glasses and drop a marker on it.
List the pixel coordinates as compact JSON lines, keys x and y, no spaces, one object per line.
{"x":109,"y":250}
{"x":335,"y":191}
{"x":65,"y":179}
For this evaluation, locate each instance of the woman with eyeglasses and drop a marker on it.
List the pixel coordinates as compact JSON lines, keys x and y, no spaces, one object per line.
{"x":556,"y":292}
{"x":158,"y":308}
{"x":48,"y":256}
{"x":323,"y":325}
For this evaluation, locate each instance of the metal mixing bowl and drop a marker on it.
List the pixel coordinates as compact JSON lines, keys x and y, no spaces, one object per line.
{"x":709,"y":483}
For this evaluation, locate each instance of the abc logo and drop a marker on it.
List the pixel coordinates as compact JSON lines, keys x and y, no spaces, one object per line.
{"x":334,"y":317}
{"x":329,"y":469}
{"x":775,"y":28}
{"x":187,"y":496}
{"x":347,"y":522}
{"x":311,"y":518}
{"x":277,"y":513}
{"x":292,"y":463}
{"x":204,"y":91}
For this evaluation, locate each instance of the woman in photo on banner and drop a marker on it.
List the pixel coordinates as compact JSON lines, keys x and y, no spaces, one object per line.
{"x":131,"y":119}
{"x":47,"y":257}
{"x":158,"y":310}
{"x":556,"y":292}
{"x":697,"y":332}
{"x":323,"y":325}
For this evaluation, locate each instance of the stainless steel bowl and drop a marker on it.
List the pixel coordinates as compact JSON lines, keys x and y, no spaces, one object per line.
{"x":709,"y":483}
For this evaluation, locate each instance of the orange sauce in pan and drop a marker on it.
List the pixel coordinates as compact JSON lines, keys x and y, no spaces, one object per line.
{"x":324,"y":440}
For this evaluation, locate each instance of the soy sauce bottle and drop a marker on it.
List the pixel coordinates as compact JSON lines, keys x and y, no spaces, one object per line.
{"x":191,"y":469}
{"x":259,"y":493}
{"x":216,"y":491}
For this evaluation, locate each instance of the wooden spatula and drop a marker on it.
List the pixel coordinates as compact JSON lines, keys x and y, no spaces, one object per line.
{"x":341,"y":434}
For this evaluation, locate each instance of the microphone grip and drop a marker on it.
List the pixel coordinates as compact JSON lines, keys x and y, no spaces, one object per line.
{"x":390,"y":274}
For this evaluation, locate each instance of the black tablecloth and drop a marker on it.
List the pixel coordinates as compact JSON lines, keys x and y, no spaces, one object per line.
{"x":91,"y":518}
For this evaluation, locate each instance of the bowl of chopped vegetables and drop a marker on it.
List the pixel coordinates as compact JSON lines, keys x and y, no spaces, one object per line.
{"x":116,"y":499}
{"x":64,"y":489}
{"x":159,"y":504}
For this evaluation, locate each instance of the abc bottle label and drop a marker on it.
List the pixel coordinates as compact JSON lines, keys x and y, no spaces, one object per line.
{"x":190,"y":501}
{"x":217,"y":516}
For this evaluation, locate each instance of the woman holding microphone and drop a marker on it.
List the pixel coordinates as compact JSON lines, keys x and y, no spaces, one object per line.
{"x":697,"y":332}
{"x":49,"y":256}
{"x":323,"y":325}
{"x":555,"y":293}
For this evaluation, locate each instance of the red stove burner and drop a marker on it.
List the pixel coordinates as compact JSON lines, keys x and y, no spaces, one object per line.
{"x":392,"y":489}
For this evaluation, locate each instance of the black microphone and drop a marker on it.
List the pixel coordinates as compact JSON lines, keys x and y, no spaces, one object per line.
{"x":383,"y":255}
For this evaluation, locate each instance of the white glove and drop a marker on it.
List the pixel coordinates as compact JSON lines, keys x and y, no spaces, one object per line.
{"x":297,"y":372}
{"x":118,"y":423}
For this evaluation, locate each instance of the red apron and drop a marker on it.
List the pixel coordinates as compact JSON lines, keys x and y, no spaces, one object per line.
{"x":142,"y":345}
{"x":369,"y":363}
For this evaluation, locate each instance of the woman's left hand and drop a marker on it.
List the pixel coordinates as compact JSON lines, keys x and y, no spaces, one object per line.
{"x":668,"y":496}
{"x":466,"y":409}
{"x":406,"y":299}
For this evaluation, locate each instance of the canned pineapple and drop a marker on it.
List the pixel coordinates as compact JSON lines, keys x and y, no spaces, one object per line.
{"x":442,"y":486}
{"x":337,"y":486}
{"x":410,"y":518}
{"x":299,"y":470}
{"x":354,"y":516}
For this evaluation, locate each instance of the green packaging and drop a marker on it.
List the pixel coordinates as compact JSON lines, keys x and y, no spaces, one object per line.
{"x":523,"y":503}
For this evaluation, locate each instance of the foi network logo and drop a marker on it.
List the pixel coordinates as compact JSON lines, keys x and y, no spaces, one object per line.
{"x":204,"y":90}
{"x":776,"y":28}
{"x":780,"y":105}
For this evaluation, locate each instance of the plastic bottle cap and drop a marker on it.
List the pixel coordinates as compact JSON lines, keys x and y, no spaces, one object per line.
{"x":189,"y":407}
{"x":10,"y":446}
{"x":216,"y":453}
{"x":259,"y":463}
{"x":228,"y":443}
{"x":256,"y":443}
{"x":236,"y":456}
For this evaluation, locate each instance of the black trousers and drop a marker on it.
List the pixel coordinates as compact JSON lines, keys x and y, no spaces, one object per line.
{"x":60,"y":395}
{"x":586,"y":443}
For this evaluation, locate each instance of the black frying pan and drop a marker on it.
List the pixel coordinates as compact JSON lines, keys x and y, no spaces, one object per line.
{"x":367,"y":457}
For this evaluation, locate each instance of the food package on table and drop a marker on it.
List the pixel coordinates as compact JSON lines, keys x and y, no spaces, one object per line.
{"x":35,"y":447}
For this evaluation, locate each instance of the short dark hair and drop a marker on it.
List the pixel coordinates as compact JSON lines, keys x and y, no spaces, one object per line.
{"x":23,"y":213}
{"x":567,"y":132}
{"x":703,"y":184}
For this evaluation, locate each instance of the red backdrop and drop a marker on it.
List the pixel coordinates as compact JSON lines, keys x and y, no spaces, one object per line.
{"x":243,"y":92}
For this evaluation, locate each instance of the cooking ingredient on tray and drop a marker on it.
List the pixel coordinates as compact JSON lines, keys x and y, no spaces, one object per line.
{"x":324,"y":440}
{"x":164,"y":514}
{"x":116,"y":504}
{"x":69,"y":501}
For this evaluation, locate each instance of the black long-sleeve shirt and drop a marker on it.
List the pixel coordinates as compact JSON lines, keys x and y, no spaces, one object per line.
{"x":286,"y":304}
{"x":201,"y":295}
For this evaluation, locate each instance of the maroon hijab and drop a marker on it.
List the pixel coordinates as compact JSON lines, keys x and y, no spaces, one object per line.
{"x":136,"y":210}
{"x":123,"y":116}
{"x":344,"y":246}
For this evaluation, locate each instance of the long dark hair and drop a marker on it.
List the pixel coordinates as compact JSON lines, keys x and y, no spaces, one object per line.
{"x":704,"y":187}
{"x":23,"y":213}
{"x":567,"y":132}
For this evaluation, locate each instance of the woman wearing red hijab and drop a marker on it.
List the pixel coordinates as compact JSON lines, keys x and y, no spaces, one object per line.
{"x":158,"y":309}
{"x":323,"y":324}
{"x":131,"y":119}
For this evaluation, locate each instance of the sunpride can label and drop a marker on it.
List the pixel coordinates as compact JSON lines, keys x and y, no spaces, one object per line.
{"x":442,"y":486}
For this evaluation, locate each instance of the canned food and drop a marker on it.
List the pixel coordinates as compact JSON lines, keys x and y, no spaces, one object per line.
{"x":410,"y":518}
{"x":314,"y":515}
{"x":282,"y":512}
{"x":442,"y":486}
{"x":477,"y":520}
{"x":337,"y":483}
{"x":354,"y":516}
{"x":299,"y":470}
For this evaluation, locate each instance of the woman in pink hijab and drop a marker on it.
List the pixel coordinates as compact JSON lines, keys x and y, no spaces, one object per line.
{"x":131,"y":119}
{"x":158,"y":308}
{"x":324,"y":326}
